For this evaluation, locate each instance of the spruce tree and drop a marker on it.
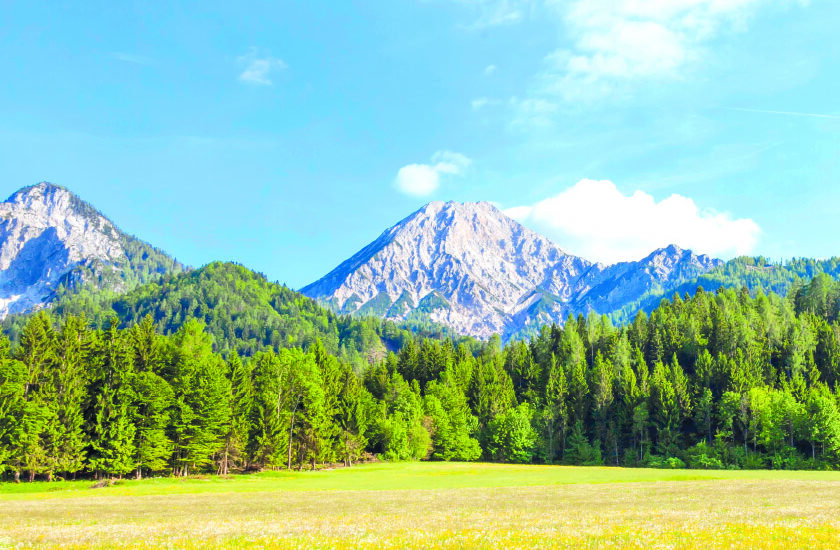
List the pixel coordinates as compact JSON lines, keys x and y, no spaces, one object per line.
{"x":110,"y":417}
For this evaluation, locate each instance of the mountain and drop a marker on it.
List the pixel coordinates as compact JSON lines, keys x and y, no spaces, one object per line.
{"x":757,"y":274}
{"x":471,"y":267}
{"x":662,"y":270}
{"x":52,"y":242}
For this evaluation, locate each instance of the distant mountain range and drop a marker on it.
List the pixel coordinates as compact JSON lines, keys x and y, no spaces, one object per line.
{"x":465,"y":266}
{"x":471,"y":267}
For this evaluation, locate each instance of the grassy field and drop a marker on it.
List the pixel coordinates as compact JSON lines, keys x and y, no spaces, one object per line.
{"x":434,"y":505}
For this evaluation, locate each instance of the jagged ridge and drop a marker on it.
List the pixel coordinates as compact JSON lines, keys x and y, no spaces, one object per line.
{"x":471,"y":267}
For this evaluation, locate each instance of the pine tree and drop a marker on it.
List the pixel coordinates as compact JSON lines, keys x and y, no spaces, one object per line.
{"x":153,"y":397}
{"x":12,"y":407}
{"x":236,"y":437}
{"x":201,"y":407}
{"x":38,"y":424}
{"x":556,"y":410}
{"x":68,"y":384}
{"x":112,"y":431}
{"x":267,"y":440}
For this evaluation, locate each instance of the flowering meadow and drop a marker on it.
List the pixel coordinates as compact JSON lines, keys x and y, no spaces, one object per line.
{"x":433,"y":505}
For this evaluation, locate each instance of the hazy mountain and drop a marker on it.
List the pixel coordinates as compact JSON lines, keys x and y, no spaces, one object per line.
{"x":471,"y":267}
{"x":51,"y":242}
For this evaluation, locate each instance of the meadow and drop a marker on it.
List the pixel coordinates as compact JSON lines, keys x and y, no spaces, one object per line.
{"x":433,"y":505}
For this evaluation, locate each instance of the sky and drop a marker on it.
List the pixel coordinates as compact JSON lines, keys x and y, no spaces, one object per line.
{"x":287,"y":135}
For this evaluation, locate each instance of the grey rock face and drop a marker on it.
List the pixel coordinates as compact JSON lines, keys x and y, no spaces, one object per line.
{"x":471,"y":267}
{"x":46,"y":235}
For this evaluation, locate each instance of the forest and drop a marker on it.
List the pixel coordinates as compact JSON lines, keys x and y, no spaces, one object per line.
{"x":715,"y":380}
{"x":242,"y":311}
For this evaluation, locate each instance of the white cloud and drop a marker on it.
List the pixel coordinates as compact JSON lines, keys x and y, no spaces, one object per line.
{"x":616,"y":42}
{"x":495,"y":13}
{"x":482,"y":102}
{"x":479,"y":103}
{"x":533,"y":112}
{"x":418,"y":180}
{"x":449,"y":162}
{"x":609,"y":44}
{"x":259,"y":68}
{"x":489,"y":69}
{"x":421,"y":180}
{"x":597,"y":221}
{"x":131,"y":58}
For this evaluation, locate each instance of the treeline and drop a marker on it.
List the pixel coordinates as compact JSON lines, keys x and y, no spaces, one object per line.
{"x":716,"y":380}
{"x":115,"y":402}
{"x":243,"y":311}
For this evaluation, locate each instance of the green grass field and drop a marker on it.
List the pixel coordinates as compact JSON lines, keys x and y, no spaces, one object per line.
{"x":434,"y":505}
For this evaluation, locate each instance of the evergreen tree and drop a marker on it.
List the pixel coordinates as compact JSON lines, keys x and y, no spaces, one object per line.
{"x":110,"y":417}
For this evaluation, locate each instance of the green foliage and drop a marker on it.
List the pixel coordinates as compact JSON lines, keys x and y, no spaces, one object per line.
{"x":719,"y":380}
{"x":453,"y":422}
{"x":243,"y":312}
{"x":511,"y":436}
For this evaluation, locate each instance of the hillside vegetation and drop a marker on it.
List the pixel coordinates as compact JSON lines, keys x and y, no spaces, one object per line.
{"x":242,"y":311}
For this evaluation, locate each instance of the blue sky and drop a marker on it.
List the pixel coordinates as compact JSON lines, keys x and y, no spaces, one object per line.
{"x":286,"y":135}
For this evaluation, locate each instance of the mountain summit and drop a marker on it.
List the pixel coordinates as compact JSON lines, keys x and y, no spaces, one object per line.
{"x":470,"y":266}
{"x":52,"y":240}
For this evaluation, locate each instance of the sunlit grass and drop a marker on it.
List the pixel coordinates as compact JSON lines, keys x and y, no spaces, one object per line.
{"x":428,"y":505}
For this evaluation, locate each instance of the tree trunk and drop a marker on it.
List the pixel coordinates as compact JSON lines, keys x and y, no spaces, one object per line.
{"x":615,"y":442}
{"x":551,"y":443}
{"x":291,"y":428}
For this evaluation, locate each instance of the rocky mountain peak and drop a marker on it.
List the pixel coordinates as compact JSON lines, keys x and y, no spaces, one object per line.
{"x":666,"y":260}
{"x":47,"y":233}
{"x":39,"y":191}
{"x":470,"y":266}
{"x":464,"y":264}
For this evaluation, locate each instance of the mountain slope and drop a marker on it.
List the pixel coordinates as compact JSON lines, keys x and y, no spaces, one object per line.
{"x":52,"y":242}
{"x":465,"y":265}
{"x":663,"y":269}
{"x":754,"y":273}
{"x":469,"y":266}
{"x":243,"y":311}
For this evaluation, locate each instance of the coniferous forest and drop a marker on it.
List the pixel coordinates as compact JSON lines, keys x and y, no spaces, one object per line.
{"x":715,"y":380}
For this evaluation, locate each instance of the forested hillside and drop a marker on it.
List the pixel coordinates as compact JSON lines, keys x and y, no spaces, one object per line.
{"x":756,"y":274}
{"x":717,"y":380}
{"x":243,"y":312}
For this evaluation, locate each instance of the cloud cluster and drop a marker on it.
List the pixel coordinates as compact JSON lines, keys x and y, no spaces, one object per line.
{"x":597,"y":221}
{"x":616,"y":41}
{"x":420,"y":180}
{"x":257,"y":69}
{"x":610,"y":47}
